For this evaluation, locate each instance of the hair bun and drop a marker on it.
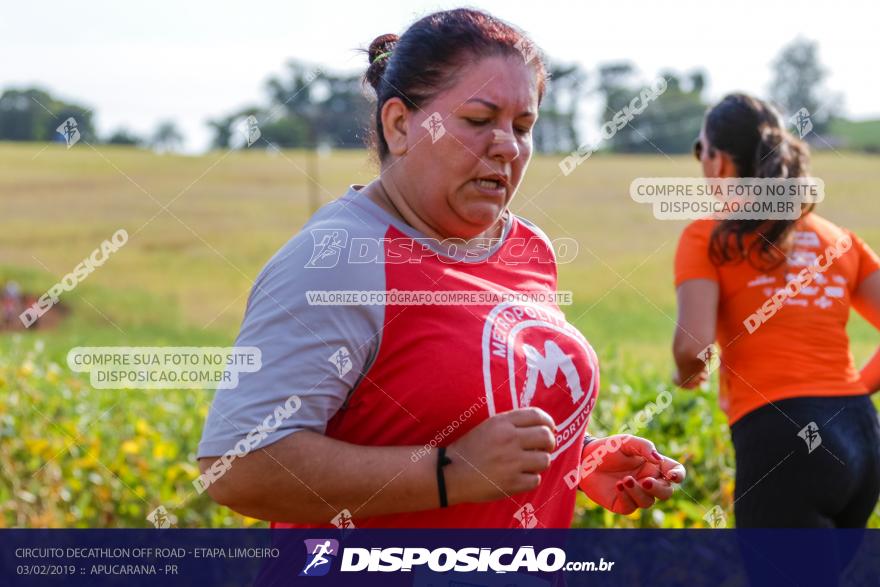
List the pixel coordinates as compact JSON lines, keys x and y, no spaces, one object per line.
{"x":380,"y":46}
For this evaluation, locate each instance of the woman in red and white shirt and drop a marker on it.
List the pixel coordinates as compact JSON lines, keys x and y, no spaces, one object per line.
{"x":386,"y":384}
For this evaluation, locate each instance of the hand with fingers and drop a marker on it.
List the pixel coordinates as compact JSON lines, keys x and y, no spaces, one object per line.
{"x":691,"y":382}
{"x":502,"y":456}
{"x":623,"y":473}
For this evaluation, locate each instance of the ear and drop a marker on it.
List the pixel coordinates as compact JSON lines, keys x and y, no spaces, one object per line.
{"x":395,"y":117}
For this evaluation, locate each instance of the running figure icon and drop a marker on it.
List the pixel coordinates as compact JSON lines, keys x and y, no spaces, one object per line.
{"x":318,"y":554}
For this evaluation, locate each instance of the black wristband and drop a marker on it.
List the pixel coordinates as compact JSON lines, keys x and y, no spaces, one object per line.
{"x":442,"y":461}
{"x":587,"y":440}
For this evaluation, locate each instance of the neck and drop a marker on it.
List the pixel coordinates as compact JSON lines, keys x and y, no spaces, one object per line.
{"x":398,"y":207}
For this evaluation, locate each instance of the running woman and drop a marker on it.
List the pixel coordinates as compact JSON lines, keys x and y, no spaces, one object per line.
{"x":426,"y":402}
{"x":803,"y":425}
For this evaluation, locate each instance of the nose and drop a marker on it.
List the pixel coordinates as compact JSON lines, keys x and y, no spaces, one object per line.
{"x":504,"y":147}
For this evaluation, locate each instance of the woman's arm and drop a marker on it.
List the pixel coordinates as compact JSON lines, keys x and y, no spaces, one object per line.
{"x":307,"y":477}
{"x":867,"y":302}
{"x":694,"y":329}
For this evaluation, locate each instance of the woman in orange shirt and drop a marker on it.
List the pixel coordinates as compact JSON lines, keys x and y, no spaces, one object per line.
{"x":776,"y":296}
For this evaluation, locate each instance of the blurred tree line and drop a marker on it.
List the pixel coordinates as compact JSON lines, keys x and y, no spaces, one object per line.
{"x":309,"y":107}
{"x":668,"y":124}
{"x":33,"y":114}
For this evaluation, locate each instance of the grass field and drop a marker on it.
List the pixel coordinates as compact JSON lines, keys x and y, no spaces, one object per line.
{"x":863,"y":134}
{"x":200,"y":229}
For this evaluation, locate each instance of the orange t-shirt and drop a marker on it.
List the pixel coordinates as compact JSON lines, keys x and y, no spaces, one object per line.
{"x":791,"y":345}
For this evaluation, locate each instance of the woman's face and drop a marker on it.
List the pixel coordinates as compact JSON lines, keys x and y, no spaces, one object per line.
{"x":708,"y":155}
{"x":467,"y":149}
{"x":715,"y":162}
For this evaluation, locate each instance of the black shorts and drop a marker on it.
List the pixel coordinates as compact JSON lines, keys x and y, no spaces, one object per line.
{"x":781,"y":482}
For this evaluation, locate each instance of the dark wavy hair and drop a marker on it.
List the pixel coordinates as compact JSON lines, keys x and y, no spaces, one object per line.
{"x":751,"y":132}
{"x":424,"y":61}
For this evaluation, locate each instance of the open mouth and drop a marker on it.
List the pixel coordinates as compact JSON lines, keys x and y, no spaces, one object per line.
{"x":494,"y":185}
{"x":489,"y":184}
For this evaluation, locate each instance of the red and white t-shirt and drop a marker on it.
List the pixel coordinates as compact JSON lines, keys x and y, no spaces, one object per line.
{"x":442,"y":351}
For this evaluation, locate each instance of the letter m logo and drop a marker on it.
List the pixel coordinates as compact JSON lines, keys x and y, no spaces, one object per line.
{"x":548,"y":365}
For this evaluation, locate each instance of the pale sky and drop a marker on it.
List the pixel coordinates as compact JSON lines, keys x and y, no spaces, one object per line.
{"x":191,"y":60}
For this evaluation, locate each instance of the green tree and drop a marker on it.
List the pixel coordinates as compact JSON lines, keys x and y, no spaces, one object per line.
{"x":307,"y":107}
{"x":661,"y":116}
{"x":32,"y":114}
{"x":557,"y":129}
{"x":330,"y":107}
{"x":798,"y":79}
{"x":167,"y":137}
{"x":227,"y":127}
{"x":123,"y":136}
{"x":672,"y":121}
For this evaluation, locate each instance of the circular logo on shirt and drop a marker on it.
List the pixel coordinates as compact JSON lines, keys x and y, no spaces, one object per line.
{"x":532,"y":356}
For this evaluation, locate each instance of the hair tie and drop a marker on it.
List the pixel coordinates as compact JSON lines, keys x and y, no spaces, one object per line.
{"x":382,"y":56}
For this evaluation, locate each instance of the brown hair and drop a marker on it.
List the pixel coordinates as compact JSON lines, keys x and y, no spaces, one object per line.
{"x":751,"y":132}
{"x":424,"y":61}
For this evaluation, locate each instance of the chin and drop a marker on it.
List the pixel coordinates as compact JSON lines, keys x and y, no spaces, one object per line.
{"x":482,"y":215}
